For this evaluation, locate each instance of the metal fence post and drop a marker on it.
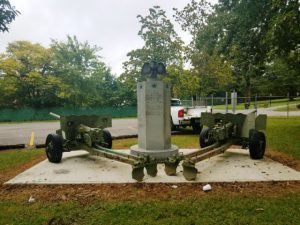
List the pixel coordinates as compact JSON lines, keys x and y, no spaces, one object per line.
{"x":226,"y":102}
{"x":287,"y":106}
{"x":233,"y":101}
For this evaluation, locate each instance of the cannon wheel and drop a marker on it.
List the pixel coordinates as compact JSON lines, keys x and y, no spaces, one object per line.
{"x":204,"y":138}
{"x":107,"y":139}
{"x":257,"y":144}
{"x":54,"y":148}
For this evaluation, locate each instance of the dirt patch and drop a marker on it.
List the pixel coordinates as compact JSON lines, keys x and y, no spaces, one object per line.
{"x":283,"y":158}
{"x":141,"y":191}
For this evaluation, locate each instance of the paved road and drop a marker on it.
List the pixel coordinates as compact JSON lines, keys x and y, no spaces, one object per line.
{"x":13,"y":134}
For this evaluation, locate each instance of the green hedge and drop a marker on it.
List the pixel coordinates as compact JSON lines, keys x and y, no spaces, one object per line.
{"x":32,"y":114}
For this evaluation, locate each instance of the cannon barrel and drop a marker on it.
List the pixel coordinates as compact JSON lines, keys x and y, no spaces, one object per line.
{"x":55,"y":115}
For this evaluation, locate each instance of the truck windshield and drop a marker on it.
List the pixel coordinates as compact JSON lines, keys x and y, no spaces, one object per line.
{"x":175,"y":102}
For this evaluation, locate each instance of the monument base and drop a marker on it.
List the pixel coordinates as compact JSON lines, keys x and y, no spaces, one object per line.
{"x":158,"y":153}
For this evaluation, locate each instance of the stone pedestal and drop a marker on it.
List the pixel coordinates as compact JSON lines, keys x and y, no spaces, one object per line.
{"x":154,"y":120}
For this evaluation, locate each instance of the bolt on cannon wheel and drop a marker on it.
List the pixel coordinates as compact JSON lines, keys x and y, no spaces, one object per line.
{"x":54,"y":148}
{"x":107,"y":139}
{"x":257,"y":144}
{"x":205,"y":139}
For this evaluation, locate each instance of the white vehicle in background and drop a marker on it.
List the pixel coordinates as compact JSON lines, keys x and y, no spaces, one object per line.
{"x":182,"y":116}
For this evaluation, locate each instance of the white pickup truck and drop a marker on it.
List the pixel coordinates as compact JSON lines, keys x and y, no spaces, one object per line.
{"x":182,"y":116}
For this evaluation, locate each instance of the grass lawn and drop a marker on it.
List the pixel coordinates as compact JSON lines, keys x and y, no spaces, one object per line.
{"x":182,"y":141}
{"x":283,"y":135}
{"x":206,"y":210}
{"x":13,"y":158}
{"x":217,"y":207}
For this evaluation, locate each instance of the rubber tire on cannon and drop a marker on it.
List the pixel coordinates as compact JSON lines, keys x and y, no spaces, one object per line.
{"x":54,"y":149}
{"x":257,"y":144}
{"x":204,"y":138}
{"x":107,"y":139}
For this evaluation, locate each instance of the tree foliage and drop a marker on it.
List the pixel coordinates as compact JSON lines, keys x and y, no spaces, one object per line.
{"x":79,"y":66}
{"x":69,"y":73}
{"x":283,"y":48}
{"x":249,"y":46}
{"x":249,"y":36}
{"x":161,"y":44}
{"x":26,"y":79}
{"x":213,"y":70}
{"x":8,"y":14}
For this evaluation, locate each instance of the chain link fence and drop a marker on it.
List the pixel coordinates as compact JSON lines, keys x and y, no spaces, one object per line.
{"x":230,"y":102}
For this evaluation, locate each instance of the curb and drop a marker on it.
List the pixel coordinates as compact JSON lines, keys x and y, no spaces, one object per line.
{"x":6,"y":147}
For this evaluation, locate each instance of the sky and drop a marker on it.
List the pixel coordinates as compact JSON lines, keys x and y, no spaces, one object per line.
{"x":111,"y":24}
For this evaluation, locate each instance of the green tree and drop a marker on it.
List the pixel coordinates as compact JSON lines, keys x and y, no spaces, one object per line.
{"x":213,"y":70}
{"x":69,"y":73}
{"x":8,"y":14}
{"x":26,"y":78}
{"x":89,"y":81}
{"x":255,"y":37}
{"x":238,"y":29}
{"x":282,"y":41}
{"x":185,"y":83}
{"x":194,"y":16}
{"x":282,"y":76}
{"x":161,"y":44}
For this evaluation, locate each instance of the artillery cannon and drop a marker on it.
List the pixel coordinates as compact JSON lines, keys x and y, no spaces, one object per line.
{"x":87,"y":133}
{"x":221,"y":131}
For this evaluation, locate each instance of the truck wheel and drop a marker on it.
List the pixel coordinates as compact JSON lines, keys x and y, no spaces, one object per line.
{"x":196,"y":128}
{"x":107,"y":139}
{"x":54,"y":148}
{"x":173,"y":127}
{"x":205,"y":139}
{"x":257,"y":144}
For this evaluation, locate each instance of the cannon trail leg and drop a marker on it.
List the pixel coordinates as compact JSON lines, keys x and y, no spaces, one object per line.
{"x":151,"y":169}
{"x":138,"y":172}
{"x":189,"y":170}
{"x":171,"y":164}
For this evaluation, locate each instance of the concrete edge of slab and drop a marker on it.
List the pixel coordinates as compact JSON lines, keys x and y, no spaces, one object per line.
{"x":155,"y":183}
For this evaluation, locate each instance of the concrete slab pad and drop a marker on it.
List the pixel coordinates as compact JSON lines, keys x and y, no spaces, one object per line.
{"x":81,"y":167}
